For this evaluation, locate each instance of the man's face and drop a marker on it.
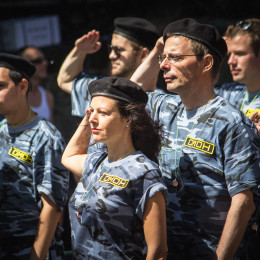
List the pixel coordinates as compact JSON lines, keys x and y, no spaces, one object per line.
{"x":243,"y":64}
{"x":123,"y":57}
{"x":9,"y":93}
{"x":179,"y":72}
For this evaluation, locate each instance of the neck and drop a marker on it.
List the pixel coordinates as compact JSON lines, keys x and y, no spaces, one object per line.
{"x":197,"y":100}
{"x":252,"y":89}
{"x":20,"y":118}
{"x":117,"y":152}
{"x":35,"y":83}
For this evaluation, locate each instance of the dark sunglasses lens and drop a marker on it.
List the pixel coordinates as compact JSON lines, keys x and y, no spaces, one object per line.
{"x":38,"y":60}
{"x":115,"y":49}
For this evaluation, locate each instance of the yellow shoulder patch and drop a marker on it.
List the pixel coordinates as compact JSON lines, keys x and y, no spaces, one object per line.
{"x":199,"y":145}
{"x":20,"y":155}
{"x":250,"y":111}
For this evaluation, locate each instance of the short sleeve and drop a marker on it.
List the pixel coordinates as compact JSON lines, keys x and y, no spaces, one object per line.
{"x":148,"y":186}
{"x":80,"y":97}
{"x":242,"y":158}
{"x":47,"y":163}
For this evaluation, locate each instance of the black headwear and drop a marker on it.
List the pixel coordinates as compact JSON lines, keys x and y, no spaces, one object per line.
{"x":203,"y":33}
{"x":118,"y":88}
{"x":138,"y":30}
{"x":18,"y":64}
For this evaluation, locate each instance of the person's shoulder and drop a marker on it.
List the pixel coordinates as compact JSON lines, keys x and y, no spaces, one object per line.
{"x":86,"y":77}
{"x":227,"y":112}
{"x":164,"y":97}
{"x":232,"y":86}
{"x":48,"y":129}
{"x":141,"y":159}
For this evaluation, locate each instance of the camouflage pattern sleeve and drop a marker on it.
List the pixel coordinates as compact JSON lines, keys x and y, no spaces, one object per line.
{"x":241,"y":156}
{"x":80,"y":98}
{"x":47,"y":163}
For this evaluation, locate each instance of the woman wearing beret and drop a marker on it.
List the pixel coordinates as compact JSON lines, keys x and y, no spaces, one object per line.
{"x":118,"y":208}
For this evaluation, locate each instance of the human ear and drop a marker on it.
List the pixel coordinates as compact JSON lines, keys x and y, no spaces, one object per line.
{"x":208,"y":62}
{"x":145,"y":53}
{"x":24,"y":85}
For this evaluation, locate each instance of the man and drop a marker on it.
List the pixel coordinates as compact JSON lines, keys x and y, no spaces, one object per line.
{"x":132,"y":39}
{"x":243,"y":41}
{"x":40,"y":99}
{"x":33,"y":182}
{"x":208,"y":158}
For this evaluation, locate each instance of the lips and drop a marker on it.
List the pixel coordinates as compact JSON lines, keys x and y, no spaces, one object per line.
{"x":95,"y":130}
{"x":234,"y":72}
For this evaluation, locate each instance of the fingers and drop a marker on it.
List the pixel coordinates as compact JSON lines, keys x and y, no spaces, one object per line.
{"x":253,"y":115}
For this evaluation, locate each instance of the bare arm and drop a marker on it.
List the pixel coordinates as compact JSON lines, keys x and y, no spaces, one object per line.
{"x":74,"y":62}
{"x":241,"y":209}
{"x":154,"y":223}
{"x":74,"y":155}
{"x":146,"y":74}
{"x":48,"y":221}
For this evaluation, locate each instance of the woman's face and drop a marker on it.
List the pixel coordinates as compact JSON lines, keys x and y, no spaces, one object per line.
{"x":107,"y":125}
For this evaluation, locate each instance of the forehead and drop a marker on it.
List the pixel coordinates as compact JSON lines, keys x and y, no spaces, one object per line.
{"x":32,"y":53}
{"x":120,"y":41}
{"x":4,"y":74}
{"x":178,"y":44}
{"x":103,"y":101}
{"x":239,"y":41}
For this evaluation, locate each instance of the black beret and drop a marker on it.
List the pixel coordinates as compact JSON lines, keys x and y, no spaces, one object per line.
{"x":118,"y":88}
{"x":138,"y":30}
{"x":203,"y":33}
{"x":18,"y":64}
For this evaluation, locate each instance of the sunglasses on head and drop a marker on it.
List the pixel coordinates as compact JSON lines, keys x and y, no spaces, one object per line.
{"x":38,"y":60}
{"x":244,"y":25}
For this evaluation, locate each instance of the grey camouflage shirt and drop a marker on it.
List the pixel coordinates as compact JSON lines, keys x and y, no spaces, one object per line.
{"x":107,"y":206}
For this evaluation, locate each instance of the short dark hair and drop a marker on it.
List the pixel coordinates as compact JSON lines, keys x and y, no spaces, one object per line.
{"x":16,"y":77}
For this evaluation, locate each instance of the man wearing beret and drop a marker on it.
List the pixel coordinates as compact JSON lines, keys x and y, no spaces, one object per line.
{"x":209,"y":158}
{"x":132,"y":39}
{"x":33,"y":182}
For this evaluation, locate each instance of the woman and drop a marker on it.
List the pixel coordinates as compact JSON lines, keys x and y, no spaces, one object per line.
{"x":118,"y":208}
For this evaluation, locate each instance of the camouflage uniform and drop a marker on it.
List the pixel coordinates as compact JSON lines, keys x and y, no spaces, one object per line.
{"x":30,"y":164}
{"x":107,"y":206}
{"x":236,"y":94}
{"x":211,"y":154}
{"x":201,"y":209}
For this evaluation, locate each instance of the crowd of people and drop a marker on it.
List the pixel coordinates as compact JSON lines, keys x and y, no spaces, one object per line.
{"x":157,"y":175}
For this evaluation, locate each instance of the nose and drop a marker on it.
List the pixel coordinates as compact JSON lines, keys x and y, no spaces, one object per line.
{"x":113,"y":55}
{"x":231,"y":59}
{"x":165,"y":64}
{"x":92,"y":118}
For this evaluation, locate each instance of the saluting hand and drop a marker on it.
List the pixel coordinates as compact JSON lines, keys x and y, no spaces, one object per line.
{"x":89,"y":43}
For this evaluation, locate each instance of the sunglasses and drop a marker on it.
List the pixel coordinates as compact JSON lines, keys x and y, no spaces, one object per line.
{"x":38,"y":60}
{"x":116,"y":49}
{"x":244,"y":25}
{"x":119,"y":50}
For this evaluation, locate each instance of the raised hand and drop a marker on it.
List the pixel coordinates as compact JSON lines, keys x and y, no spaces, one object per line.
{"x":89,"y":43}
